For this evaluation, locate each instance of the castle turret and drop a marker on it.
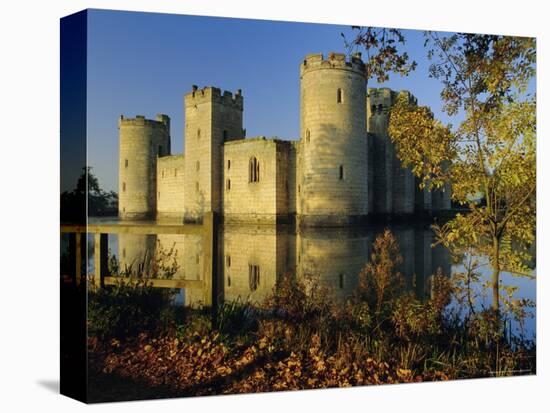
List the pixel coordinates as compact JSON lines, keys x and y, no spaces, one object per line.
{"x":332,"y":180}
{"x":393,"y":186}
{"x":141,"y":141}
{"x":211,"y":118}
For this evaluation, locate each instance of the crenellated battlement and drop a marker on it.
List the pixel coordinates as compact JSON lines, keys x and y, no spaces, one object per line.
{"x":274,"y":140}
{"x":317,"y":61}
{"x":342,"y":167}
{"x":214,"y":94}
{"x":161,"y":121}
{"x":408,"y":96}
{"x":382,"y":99}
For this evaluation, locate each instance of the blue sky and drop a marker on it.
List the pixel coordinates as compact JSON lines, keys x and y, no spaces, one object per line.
{"x":143,"y":63}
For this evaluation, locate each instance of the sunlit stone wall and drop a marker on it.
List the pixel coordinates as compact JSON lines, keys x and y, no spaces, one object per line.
{"x":211,"y":118}
{"x":332,"y":180}
{"x":170,"y":185}
{"x":141,"y":142}
{"x":264,"y":197}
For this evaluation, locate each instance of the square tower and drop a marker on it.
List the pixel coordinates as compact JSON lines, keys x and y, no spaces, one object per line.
{"x":393,"y":186}
{"x":211,"y":118}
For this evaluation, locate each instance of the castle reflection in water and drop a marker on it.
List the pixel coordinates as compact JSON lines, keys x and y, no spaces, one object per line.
{"x":250,"y":259}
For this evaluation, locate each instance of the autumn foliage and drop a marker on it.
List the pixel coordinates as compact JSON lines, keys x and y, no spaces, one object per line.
{"x":300,"y":338}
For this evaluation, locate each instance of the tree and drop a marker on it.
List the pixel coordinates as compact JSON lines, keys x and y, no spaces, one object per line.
{"x":382,"y":50}
{"x":490,"y":155}
{"x":100,"y":202}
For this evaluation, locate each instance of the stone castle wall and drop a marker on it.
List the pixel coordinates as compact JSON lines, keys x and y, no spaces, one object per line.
{"x":268,"y":198}
{"x":342,"y":168}
{"x":141,"y":142}
{"x":211,"y":118}
{"x":393,"y":186}
{"x":170,"y":185}
{"x":333,"y":169}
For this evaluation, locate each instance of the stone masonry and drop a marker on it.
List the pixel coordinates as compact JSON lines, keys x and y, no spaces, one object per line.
{"x":342,"y":168}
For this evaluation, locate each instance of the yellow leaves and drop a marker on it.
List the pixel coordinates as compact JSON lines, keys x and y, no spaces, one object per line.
{"x":200,"y":362}
{"x":224,"y":370}
{"x":311,"y":382}
{"x":404,"y":373}
{"x":263,"y":343}
{"x":320,"y":366}
{"x":422,"y":143}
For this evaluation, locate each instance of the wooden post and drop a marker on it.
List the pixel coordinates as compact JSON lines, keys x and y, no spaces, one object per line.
{"x":78,"y":258}
{"x":101,"y":257}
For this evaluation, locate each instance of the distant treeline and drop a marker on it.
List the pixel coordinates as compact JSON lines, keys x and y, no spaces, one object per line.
{"x":100,"y":203}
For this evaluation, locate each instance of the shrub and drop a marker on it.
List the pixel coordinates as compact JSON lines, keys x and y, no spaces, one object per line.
{"x":128,"y":308}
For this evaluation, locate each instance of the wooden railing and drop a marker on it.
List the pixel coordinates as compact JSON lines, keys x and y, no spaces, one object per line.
{"x":207,"y":230}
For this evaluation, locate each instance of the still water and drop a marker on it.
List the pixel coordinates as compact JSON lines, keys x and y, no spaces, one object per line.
{"x":250,"y":260}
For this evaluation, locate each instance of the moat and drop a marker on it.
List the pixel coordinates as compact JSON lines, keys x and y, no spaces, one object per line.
{"x":250,"y":259}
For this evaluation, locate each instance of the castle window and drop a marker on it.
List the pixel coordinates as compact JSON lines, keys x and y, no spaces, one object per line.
{"x":373,"y":109}
{"x":124,"y":187}
{"x":176,"y":172}
{"x":254,"y":170}
{"x":198,"y":133}
{"x":228,"y":261}
{"x":126,"y":163}
{"x":123,"y":252}
{"x":197,"y":186}
{"x":198,"y":165}
{"x":162,"y":174}
{"x":341,"y":172}
{"x":228,"y":164}
{"x":228,"y":281}
{"x":160,"y":150}
{"x":228,"y":185}
{"x":341,"y":281}
{"x":253,"y":277}
{"x":158,"y":194}
{"x":307,"y":135}
{"x":197,"y":258}
{"x":380,"y":108}
{"x":224,"y":135}
{"x":339,"y":96}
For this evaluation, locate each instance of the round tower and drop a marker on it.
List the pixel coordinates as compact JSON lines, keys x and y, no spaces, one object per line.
{"x":332,"y":183}
{"x":141,"y":142}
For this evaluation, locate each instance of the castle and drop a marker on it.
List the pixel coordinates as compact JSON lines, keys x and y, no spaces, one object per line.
{"x":342,"y":169}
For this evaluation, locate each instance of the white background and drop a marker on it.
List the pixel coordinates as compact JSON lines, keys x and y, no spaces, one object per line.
{"x":29,"y":171}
